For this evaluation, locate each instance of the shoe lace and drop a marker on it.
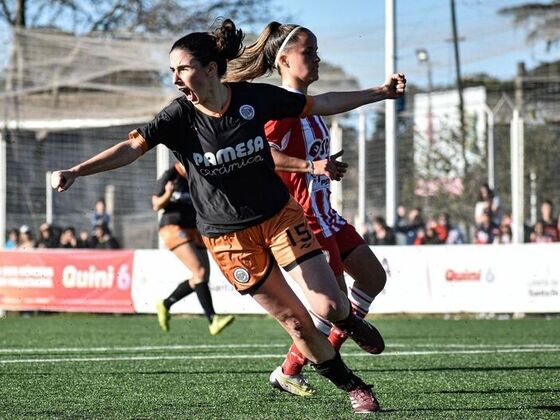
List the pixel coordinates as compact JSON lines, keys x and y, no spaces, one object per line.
{"x":362,"y":394}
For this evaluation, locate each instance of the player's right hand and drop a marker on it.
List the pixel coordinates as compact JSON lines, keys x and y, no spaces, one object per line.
{"x":62,"y":180}
{"x":170,"y":187}
{"x":395,"y":86}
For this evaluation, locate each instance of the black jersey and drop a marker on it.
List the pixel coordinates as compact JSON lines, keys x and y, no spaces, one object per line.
{"x":180,"y":210}
{"x":228,"y":160}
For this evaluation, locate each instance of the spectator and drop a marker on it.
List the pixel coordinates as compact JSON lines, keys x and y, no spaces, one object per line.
{"x":486,"y":232}
{"x":447,"y":233}
{"x":487,"y":201}
{"x":103,"y":239}
{"x":427,"y":235}
{"x":47,"y":238}
{"x":382,"y":234}
{"x":505,"y":235}
{"x":84,"y":240}
{"x":26,"y":240}
{"x":506,"y":219}
{"x":410,"y":227}
{"x":68,"y":238}
{"x":548,"y":222}
{"x":13,"y":239}
{"x":100,"y":215}
{"x":538,"y":235}
{"x":400,"y":221}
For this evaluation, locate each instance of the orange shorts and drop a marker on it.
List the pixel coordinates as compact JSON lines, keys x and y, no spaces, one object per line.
{"x":174,"y":236}
{"x":246,"y":257}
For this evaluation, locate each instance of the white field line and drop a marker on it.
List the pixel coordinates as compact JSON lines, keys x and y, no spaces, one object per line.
{"x":180,"y":347}
{"x":268,"y":356}
{"x":138,"y":348}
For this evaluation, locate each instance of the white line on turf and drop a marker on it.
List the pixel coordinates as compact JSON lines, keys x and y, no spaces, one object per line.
{"x":267,"y":356}
{"x":139,"y":348}
{"x":261,"y":345}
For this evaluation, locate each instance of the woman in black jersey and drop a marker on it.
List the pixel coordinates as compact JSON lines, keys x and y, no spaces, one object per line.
{"x":244,"y":212}
{"x":177,"y":228}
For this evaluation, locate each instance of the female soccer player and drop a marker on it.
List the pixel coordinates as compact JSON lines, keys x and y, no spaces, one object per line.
{"x":177,"y":228}
{"x":301,"y":152}
{"x":244,"y":212}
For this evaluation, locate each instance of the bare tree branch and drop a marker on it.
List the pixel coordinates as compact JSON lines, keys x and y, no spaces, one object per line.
{"x":7,"y":15}
{"x":167,"y":17}
{"x":540,"y":20}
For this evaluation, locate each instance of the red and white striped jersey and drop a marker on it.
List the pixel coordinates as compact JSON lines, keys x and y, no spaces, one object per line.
{"x":307,"y":138}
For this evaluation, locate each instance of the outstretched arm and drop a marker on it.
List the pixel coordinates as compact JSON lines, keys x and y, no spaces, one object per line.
{"x":119,"y":155}
{"x":339,"y":102}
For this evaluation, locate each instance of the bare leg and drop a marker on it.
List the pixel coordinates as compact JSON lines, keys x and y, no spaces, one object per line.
{"x":366,"y":270}
{"x":323,"y":293}
{"x":195,"y":261}
{"x":321,"y":289}
{"x":279,"y":300}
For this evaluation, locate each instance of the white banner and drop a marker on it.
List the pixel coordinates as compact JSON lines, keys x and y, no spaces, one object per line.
{"x":407,"y":288}
{"x":420,"y":279}
{"x":159,"y":272}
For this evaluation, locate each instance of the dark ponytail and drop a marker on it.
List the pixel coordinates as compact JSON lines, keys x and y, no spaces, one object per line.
{"x":258,"y":59}
{"x":223,"y":44}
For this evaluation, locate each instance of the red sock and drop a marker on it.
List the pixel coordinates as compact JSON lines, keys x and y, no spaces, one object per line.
{"x":295,"y":361}
{"x":337,"y":337}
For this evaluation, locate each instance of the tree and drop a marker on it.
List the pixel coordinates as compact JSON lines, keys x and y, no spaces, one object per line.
{"x":541,"y":19}
{"x":117,"y":16}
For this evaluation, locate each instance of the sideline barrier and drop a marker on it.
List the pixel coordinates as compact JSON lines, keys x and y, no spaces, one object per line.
{"x":66,"y":281}
{"x":420,"y":279}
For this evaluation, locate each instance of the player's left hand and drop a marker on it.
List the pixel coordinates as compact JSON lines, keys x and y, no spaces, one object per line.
{"x":395,"y":86}
{"x":330,"y":167}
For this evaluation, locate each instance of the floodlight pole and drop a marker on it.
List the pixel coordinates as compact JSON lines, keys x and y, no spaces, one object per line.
{"x":48,"y":198}
{"x":517,"y":170}
{"x":491,"y":148}
{"x":336,"y":146}
{"x":361,"y":170}
{"x":3,"y":190}
{"x":162,"y":165}
{"x":390,"y":119}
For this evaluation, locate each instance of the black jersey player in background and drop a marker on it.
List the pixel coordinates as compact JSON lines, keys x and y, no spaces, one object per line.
{"x":245,"y":213}
{"x":177,"y":228}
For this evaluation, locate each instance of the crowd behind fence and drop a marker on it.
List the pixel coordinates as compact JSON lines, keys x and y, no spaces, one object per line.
{"x":490,"y":226}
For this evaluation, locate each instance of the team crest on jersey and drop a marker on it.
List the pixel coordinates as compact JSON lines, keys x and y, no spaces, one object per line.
{"x":247,"y":112}
{"x":241,"y":275}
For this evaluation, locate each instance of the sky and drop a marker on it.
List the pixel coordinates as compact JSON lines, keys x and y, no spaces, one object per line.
{"x":351,"y":34}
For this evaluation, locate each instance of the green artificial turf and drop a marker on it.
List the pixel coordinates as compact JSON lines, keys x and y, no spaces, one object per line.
{"x":123,"y":367}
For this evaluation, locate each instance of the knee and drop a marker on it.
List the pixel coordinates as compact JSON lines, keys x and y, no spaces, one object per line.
{"x":381,"y":278}
{"x":332,"y":309}
{"x":373,"y":280}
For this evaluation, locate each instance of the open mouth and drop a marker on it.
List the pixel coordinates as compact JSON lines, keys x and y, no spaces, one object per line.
{"x":191,"y":96}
